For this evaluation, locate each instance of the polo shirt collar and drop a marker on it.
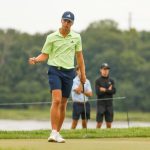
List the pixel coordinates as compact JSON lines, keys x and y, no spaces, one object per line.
{"x":69,"y":34}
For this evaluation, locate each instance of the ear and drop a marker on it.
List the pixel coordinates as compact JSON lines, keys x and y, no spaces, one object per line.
{"x":72,"y":23}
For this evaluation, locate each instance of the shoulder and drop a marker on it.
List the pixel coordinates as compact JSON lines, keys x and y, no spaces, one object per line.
{"x":98,"y":80}
{"x":87,"y":81}
{"x":111,"y":80}
{"x":75,"y":34}
{"x":52,"y":34}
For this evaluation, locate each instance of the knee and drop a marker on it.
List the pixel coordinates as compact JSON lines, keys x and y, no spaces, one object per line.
{"x":56,"y":101}
{"x":56,"y":97}
{"x":108,"y":124}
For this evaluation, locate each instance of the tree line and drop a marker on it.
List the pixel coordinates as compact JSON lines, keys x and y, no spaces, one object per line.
{"x":126,"y":51}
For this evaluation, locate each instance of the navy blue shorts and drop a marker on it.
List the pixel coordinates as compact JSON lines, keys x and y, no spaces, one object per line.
{"x":78,"y":110}
{"x":61,"y":78}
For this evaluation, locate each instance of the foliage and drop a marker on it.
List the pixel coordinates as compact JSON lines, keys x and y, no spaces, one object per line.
{"x":127,"y":52}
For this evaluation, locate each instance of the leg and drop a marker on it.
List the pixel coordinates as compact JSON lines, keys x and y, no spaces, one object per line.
{"x":108,"y":124}
{"x":84,"y":123}
{"x":99,"y":124}
{"x":57,"y":114}
{"x":87,"y":115}
{"x":62,"y":110}
{"x":100,"y":115}
{"x":67,"y":81}
{"x":74,"y":124}
{"x":109,"y":116}
{"x":55,"y":86}
{"x":75,"y":115}
{"x":99,"y":119}
{"x":55,"y":117}
{"x":55,"y":108}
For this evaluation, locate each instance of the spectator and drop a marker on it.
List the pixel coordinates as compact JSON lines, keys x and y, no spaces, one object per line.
{"x":78,"y":100}
{"x":105,"y":88}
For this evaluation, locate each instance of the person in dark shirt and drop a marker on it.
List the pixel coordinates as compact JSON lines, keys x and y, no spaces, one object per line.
{"x":105,"y":89}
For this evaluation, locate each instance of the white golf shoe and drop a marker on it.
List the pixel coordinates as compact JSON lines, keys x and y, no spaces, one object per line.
{"x":52,"y":137}
{"x":59,"y":138}
{"x":55,"y":137}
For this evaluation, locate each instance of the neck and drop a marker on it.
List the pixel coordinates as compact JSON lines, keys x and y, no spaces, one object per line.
{"x":64,"y":32}
{"x":105,"y":77}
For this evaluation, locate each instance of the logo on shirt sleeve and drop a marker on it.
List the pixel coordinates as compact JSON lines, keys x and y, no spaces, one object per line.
{"x":109,"y":82}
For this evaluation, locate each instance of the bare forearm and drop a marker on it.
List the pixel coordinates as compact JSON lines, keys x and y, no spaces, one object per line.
{"x":78,"y":90}
{"x":80,"y":63}
{"x":42,"y":57}
{"x":89,"y":94}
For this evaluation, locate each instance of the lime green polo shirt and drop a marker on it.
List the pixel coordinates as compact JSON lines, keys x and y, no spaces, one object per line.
{"x":62,"y":50}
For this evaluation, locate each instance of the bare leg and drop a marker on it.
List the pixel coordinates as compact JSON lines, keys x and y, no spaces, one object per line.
{"x":108,"y":124}
{"x":84,"y":123}
{"x":99,"y":124}
{"x":74,"y":124}
{"x":62,"y":110}
{"x":55,"y":108}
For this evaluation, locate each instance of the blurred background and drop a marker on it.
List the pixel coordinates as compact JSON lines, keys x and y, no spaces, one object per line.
{"x":116,"y":32}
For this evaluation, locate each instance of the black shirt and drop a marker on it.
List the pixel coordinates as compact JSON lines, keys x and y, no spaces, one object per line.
{"x":104,"y":82}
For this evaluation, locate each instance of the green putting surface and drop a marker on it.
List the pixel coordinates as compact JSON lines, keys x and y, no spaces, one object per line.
{"x":77,"y":144}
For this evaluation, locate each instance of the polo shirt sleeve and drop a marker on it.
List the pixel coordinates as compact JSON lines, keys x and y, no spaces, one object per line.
{"x":88,"y":89}
{"x":78,"y":46}
{"x":47,"y":46}
{"x":75,"y":85}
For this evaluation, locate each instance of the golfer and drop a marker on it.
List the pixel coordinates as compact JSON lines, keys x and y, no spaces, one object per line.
{"x":78,"y":96}
{"x":105,"y":88}
{"x":60,"y":49}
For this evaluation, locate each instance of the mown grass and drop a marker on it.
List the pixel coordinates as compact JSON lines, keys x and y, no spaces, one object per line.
{"x":77,"y":144}
{"x":79,"y":134}
{"x":43,"y":114}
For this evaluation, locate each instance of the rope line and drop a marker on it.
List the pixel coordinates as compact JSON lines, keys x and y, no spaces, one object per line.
{"x":69,"y":101}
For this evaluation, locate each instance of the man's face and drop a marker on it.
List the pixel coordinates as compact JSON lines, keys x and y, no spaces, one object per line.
{"x":66,"y":24}
{"x":104,"y":72}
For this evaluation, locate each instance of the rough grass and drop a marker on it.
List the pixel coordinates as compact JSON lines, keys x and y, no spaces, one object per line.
{"x":79,"y":134}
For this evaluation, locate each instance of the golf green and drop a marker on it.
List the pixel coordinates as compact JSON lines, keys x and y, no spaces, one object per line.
{"x":77,"y":144}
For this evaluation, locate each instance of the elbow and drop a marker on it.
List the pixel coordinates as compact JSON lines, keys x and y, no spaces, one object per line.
{"x":46,"y":56}
{"x":91,"y":94}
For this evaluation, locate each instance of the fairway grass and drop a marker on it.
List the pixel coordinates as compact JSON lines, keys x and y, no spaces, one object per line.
{"x":77,"y":144}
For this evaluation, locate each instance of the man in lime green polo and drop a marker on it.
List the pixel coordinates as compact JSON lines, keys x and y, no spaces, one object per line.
{"x":60,"y":48}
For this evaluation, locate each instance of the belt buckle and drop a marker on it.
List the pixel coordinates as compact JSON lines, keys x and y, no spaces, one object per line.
{"x":59,"y":68}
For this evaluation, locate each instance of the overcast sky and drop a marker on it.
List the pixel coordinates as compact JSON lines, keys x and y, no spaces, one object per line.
{"x":43,"y":15}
